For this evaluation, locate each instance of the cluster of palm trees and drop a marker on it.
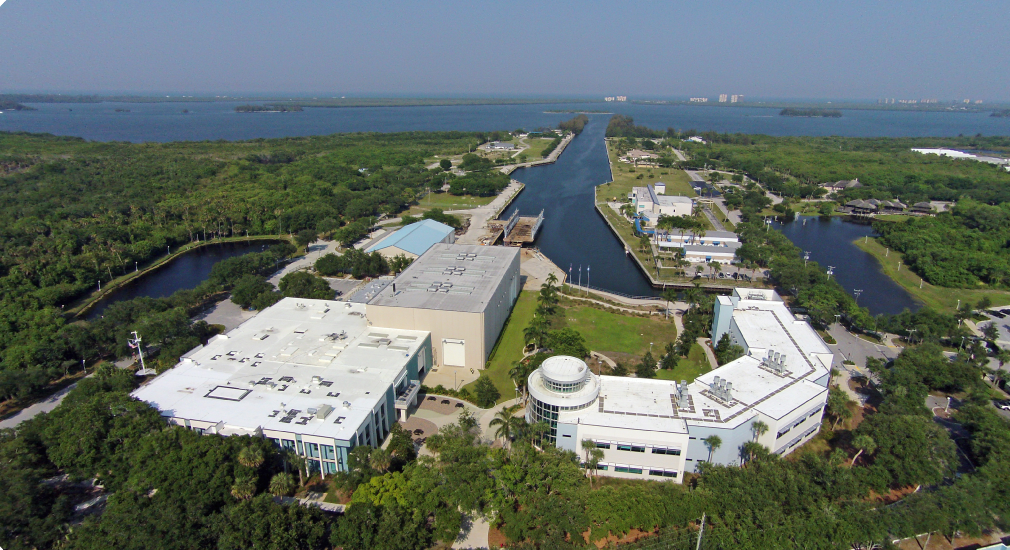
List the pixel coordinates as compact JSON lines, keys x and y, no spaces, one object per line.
{"x":511,"y":428}
{"x":536,"y":332}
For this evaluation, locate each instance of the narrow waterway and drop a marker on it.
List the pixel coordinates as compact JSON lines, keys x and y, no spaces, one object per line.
{"x":573,"y":233}
{"x":185,"y":271}
{"x":830,"y":243}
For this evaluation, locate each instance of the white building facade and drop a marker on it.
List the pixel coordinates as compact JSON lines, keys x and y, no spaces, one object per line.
{"x":651,"y":202}
{"x":655,"y":429}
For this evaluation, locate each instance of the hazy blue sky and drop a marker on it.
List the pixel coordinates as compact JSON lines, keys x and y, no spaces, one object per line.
{"x":854,"y":49}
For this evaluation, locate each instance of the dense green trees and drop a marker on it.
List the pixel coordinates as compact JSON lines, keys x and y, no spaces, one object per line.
{"x":575,"y":125}
{"x":74,"y":213}
{"x":302,"y":284}
{"x":624,"y":126}
{"x":963,"y":248}
{"x":353,"y":262}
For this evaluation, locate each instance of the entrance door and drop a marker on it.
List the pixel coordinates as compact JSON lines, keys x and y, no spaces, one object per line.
{"x":453,"y":353}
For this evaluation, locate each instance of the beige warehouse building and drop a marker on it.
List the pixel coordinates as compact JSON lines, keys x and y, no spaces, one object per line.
{"x":462,"y":294}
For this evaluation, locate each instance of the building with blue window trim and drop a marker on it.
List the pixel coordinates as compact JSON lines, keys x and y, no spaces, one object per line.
{"x":310,"y":375}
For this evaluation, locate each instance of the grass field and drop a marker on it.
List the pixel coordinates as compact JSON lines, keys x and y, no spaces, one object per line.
{"x":937,"y":297}
{"x":677,"y":181}
{"x":607,"y":330}
{"x":445,"y":201}
{"x":695,"y":365}
{"x":536,"y":149}
{"x":510,"y":346}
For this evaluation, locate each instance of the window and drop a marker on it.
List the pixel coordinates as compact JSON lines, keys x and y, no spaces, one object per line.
{"x":602,"y":445}
{"x":287,"y":444}
{"x":663,"y":473}
{"x":631,"y":447}
{"x":602,"y":467}
{"x":638,"y":448}
{"x":565,"y":387}
{"x":313,"y":450}
{"x":783,"y":432}
{"x":329,"y":468}
{"x":328,"y":453}
{"x":623,"y":447}
{"x":665,"y":451}
{"x":628,"y":469}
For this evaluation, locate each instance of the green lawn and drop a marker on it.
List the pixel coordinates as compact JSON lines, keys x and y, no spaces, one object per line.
{"x":536,"y":149}
{"x":445,"y":201}
{"x":510,"y":346}
{"x":937,"y":297}
{"x":677,"y":181}
{"x":607,"y":330}
{"x":688,"y":369}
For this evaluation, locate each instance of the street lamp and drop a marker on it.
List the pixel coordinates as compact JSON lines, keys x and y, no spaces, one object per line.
{"x":806,"y":256}
{"x":857,"y":292}
{"x":831,"y":271}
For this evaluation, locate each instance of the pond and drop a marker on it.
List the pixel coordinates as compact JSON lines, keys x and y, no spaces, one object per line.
{"x":830,"y":243}
{"x":185,"y":271}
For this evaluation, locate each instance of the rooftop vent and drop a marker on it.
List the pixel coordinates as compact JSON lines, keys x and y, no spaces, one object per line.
{"x":775,"y":361}
{"x":347,"y":404}
{"x":682,"y":395}
{"x":722,"y":389}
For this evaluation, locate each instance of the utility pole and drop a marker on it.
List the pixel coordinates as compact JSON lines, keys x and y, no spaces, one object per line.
{"x":806,"y":256}
{"x":831,"y":271}
{"x":700,"y":532}
{"x":857,"y":292}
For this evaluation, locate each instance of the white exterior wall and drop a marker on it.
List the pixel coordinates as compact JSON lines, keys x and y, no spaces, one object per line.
{"x":646,"y":460}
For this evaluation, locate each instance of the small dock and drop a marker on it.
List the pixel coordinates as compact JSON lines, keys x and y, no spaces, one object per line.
{"x":516,"y":230}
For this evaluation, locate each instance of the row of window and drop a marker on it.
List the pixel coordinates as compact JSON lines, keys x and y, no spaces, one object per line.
{"x":565,"y":387}
{"x":801,"y":420}
{"x":625,"y":469}
{"x":638,"y":448}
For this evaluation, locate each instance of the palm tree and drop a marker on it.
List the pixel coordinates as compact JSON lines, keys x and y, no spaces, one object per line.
{"x":379,"y":459}
{"x":251,"y":457}
{"x":536,"y":330}
{"x":670,"y":295}
{"x":749,"y":449}
{"x":298,"y":462}
{"x":863,"y":443}
{"x":759,"y":428}
{"x":713,"y":442}
{"x":505,"y":422}
{"x":282,"y":484}
{"x":593,"y":457}
{"x":537,"y":430}
{"x":244,"y":488}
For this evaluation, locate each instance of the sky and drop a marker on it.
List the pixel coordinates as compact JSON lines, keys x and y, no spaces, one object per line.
{"x":768,"y":49}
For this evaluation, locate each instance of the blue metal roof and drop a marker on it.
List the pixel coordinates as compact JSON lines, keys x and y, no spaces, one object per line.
{"x":415,"y":238}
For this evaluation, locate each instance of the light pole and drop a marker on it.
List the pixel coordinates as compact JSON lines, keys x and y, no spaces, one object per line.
{"x":806,"y":256}
{"x":831,"y":271}
{"x":135,"y":267}
{"x":910,"y":331}
{"x":857,"y":292}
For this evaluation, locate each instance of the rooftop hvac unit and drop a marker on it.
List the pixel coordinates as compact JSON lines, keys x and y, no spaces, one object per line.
{"x":347,"y":404}
{"x":323,"y":411}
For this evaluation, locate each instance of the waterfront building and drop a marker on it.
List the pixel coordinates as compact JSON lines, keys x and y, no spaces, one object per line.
{"x":462,"y":294}
{"x":311,"y":375}
{"x":722,"y":98}
{"x":708,"y":247}
{"x":650,"y":202}
{"x":657,"y":429}
{"x":414,"y":239}
{"x":501,"y":146}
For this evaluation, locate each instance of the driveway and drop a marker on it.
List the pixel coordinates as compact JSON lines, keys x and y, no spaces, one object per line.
{"x":853,"y":348}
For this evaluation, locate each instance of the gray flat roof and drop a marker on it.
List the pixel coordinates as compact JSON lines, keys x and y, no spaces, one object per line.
{"x":296,"y":355}
{"x":450,"y":277}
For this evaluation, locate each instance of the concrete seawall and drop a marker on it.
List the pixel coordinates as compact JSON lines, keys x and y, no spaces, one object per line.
{"x":551,"y":159}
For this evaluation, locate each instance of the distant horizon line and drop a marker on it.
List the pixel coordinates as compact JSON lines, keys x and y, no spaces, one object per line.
{"x":595,"y":97}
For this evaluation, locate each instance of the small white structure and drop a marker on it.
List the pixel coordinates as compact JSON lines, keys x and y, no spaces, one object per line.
{"x":651,"y":202}
{"x":501,"y":146}
{"x":711,"y":246}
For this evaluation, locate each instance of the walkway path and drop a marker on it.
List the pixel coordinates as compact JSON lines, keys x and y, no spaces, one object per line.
{"x":474,"y":534}
{"x":703,"y":342}
{"x":316,"y":250}
{"x":479,"y":216}
{"x":711,"y":218}
{"x":47,"y":405}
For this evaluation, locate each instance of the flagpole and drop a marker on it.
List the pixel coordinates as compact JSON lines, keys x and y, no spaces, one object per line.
{"x":587,"y":279}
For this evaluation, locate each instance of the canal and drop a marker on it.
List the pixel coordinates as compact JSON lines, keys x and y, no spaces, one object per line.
{"x":185,"y":271}
{"x":574,"y":234}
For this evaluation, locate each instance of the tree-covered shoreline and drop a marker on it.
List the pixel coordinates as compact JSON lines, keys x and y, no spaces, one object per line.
{"x":75,"y":213}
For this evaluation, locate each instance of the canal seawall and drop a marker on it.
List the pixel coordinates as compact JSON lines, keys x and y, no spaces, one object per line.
{"x":551,"y":158}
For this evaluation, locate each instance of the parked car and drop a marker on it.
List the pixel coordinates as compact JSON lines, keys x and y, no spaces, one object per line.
{"x":996,"y":314}
{"x":1005,"y":311}
{"x":1002,"y":404}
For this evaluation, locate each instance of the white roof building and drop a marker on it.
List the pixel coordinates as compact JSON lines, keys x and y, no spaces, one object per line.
{"x":654,"y":429}
{"x":309,"y":374}
{"x":650,"y":202}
